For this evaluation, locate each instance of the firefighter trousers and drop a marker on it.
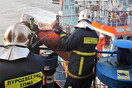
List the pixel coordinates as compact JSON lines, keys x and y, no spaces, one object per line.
{"x":78,"y":83}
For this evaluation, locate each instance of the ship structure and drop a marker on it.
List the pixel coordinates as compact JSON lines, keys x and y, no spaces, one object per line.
{"x":112,"y":20}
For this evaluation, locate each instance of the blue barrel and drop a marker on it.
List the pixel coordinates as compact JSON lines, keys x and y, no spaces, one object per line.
{"x":113,"y":75}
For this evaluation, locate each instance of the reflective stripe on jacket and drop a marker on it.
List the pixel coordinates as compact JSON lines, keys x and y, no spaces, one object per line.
{"x":82,"y":43}
{"x":21,"y":73}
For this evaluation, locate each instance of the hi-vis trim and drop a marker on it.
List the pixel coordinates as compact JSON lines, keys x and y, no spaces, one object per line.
{"x":90,"y":40}
{"x":84,"y":53}
{"x":78,"y":77}
{"x":31,"y":26}
{"x":62,"y":35}
{"x":81,"y":66}
{"x":123,"y":74}
{"x":69,"y":86}
{"x":24,"y":81}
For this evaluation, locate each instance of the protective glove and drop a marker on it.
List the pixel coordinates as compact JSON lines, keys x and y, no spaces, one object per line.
{"x":58,"y":28}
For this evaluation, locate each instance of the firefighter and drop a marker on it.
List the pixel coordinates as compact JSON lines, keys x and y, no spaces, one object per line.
{"x":81,"y":43}
{"x":123,"y":18}
{"x":19,"y":68}
{"x":114,"y":18}
{"x":101,"y":45}
{"x":29,"y":21}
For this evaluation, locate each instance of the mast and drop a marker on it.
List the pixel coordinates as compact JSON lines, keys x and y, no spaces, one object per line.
{"x":84,"y":5}
{"x":99,"y":4}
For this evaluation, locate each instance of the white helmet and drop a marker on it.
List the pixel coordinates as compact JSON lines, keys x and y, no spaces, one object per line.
{"x":84,"y":20}
{"x":26,"y":17}
{"x":83,"y":15}
{"x":17,"y":34}
{"x":101,"y":36}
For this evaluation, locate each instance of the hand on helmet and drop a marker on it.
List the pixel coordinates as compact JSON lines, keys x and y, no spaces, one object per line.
{"x":58,"y":28}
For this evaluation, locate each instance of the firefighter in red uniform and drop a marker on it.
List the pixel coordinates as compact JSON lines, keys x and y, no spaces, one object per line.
{"x":81,"y":43}
{"x":19,"y":68}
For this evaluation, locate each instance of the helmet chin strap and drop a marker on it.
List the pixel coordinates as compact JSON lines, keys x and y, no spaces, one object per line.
{"x":86,"y":21}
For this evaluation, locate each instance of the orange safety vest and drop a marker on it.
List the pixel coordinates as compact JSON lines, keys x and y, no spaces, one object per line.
{"x":101,"y":43}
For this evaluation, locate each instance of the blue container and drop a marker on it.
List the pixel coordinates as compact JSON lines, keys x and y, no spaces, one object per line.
{"x":116,"y":71}
{"x":112,"y":75}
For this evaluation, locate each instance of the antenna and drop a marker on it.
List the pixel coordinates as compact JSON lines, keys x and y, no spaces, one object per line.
{"x":84,"y":5}
{"x":99,"y":4}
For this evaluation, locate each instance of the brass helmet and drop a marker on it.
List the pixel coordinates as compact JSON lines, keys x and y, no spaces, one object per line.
{"x":17,"y":34}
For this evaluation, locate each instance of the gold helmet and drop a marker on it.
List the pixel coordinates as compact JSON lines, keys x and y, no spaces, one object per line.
{"x":17,"y":34}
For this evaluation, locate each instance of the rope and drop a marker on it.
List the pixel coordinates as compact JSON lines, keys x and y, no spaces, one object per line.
{"x":42,"y":48}
{"x":42,"y":39}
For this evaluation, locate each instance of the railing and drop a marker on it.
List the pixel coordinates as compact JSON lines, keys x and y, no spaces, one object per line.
{"x":118,"y":19}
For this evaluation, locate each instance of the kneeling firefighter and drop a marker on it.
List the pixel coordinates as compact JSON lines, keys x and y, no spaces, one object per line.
{"x":81,"y":43}
{"x":19,"y":68}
